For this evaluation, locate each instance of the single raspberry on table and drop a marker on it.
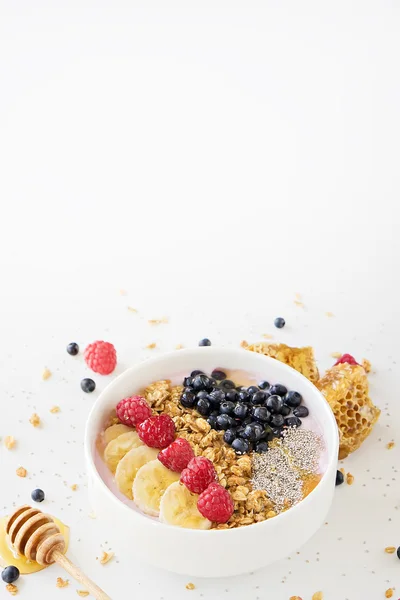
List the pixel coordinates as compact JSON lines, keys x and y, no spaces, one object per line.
{"x":133,"y":411}
{"x":198,"y":475}
{"x":346,"y":358}
{"x":157,"y":432}
{"x":177,"y":455}
{"x":101,"y":357}
{"x":215,"y":503}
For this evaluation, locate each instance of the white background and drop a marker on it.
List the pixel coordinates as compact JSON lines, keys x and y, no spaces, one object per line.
{"x":212,"y":159}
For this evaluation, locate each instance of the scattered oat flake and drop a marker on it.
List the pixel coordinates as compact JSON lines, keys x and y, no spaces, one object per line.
{"x":267,"y":336}
{"x":390,"y":549}
{"x":389,"y":593}
{"x":329,"y":314}
{"x":270,"y":515}
{"x":46,"y":374}
{"x":336,"y":354}
{"x":190,"y":586}
{"x":62,"y":583}
{"x":350,"y":479}
{"x":82,"y":593}
{"x":298,"y":296}
{"x":92,"y":515}
{"x":158,"y":321}
{"x":123,"y":292}
{"x":390,"y":445}
{"x":132,"y":310}
{"x":74,"y":487}
{"x":366,"y":364}
{"x":298,"y":303}
{"x":12,"y":589}
{"x":21,"y":472}
{"x":35,"y":420}
{"x":55,"y":409}
{"x":244,"y":344}
{"x":106,"y":557}
{"x":318,"y":596}
{"x":151,"y":346}
{"x":178,"y":347}
{"x":9,"y":442}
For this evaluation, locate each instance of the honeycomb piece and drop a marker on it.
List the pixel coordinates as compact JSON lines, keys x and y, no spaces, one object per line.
{"x":301,"y":359}
{"x":346,"y":389}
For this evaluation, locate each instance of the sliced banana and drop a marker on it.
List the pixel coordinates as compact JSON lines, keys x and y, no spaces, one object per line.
{"x":130,"y":465}
{"x":179,"y":507}
{"x":117,"y":448}
{"x":114,"y":431}
{"x":149,"y":485}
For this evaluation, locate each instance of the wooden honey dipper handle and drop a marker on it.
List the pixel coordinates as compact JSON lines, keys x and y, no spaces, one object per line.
{"x":77,"y":574}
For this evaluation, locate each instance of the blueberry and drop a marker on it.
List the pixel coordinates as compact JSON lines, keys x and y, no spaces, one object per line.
{"x":203,"y":406}
{"x":278,"y":389}
{"x":219,"y":375}
{"x":232,"y":395}
{"x":197,"y":372}
{"x":260,"y":413}
{"x":187,"y":382}
{"x":188,"y":399}
{"x":301,"y":411}
{"x":258,"y":397}
{"x":88,"y":385}
{"x":37,"y":495}
{"x":285,"y":410}
{"x":340,"y":479}
{"x":205,"y":342}
{"x":212,"y":420}
{"x":202,"y":395}
{"x":263,"y":385}
{"x":73,"y":349}
{"x":253,"y":389}
{"x":277,"y":420}
{"x":229,"y":436}
{"x":398,"y":552}
{"x":225,"y":422}
{"x":261,"y":446}
{"x":226,"y":408}
{"x":279,"y":322}
{"x":274,"y":403}
{"x":244,"y":396}
{"x":292,"y":422}
{"x":276,"y":432}
{"x":247,"y":420}
{"x":212,"y":382}
{"x":293,"y":399}
{"x":253,"y":432}
{"x":201,"y":382}
{"x":240,"y":411}
{"x":241,"y":446}
{"x":227,"y":384}
{"x":216,"y":397}
{"x":240,"y":431}
{"x":10,"y":574}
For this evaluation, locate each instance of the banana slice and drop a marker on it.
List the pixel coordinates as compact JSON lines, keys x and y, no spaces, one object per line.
{"x":117,"y":448}
{"x":130,"y":465}
{"x":114,"y":431}
{"x":150,"y":483}
{"x":179,"y":507}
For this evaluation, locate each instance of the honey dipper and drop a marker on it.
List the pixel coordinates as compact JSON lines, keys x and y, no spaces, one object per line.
{"x":37,"y":537}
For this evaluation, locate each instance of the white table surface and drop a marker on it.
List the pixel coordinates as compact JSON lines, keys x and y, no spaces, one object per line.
{"x":211,"y":159}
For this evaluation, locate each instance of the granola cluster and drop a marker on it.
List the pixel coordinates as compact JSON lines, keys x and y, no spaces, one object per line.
{"x":234,"y":472}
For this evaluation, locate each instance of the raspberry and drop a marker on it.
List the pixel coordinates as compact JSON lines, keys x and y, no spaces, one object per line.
{"x":133,"y":411}
{"x":215,"y":503}
{"x":198,"y":474}
{"x":177,"y":456}
{"x":157,"y":432}
{"x":101,"y":357}
{"x":346,"y":358}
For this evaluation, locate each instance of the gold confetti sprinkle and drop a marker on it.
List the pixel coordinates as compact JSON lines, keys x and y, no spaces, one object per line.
{"x":178,"y":347}
{"x":55,"y":409}
{"x":190,"y":586}
{"x":62,"y":583}
{"x":318,"y":596}
{"x":390,"y":549}
{"x":21,"y":472}
{"x":46,"y":374}
{"x":82,"y":593}
{"x":350,"y":479}
{"x":9,"y":442}
{"x":74,"y":487}
{"x":106,"y":557}
{"x":244,"y":344}
{"x":267,"y":336}
{"x":12,"y":589}
{"x":151,"y":346}
{"x":158,"y":321}
{"x":132,"y":310}
{"x":329,"y":314}
{"x":390,"y":445}
{"x":389,"y":593}
{"x":35,"y":420}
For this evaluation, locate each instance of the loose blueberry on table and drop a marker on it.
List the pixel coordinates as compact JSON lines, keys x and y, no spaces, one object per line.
{"x":250,"y":416}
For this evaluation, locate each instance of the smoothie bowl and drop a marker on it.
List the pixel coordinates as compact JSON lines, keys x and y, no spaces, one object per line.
{"x":211,"y":462}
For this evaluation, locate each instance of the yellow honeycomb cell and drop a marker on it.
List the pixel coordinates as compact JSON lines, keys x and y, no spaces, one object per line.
{"x":301,"y":359}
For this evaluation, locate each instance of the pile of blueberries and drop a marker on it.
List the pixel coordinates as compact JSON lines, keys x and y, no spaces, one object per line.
{"x":250,"y":416}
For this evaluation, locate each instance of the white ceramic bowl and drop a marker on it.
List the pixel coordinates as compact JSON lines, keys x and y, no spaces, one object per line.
{"x":209,"y":553}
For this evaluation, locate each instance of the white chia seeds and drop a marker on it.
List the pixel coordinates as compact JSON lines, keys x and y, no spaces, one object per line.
{"x":279,"y":471}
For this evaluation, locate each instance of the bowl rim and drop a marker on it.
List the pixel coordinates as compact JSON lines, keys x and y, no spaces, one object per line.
{"x":90,"y":463}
